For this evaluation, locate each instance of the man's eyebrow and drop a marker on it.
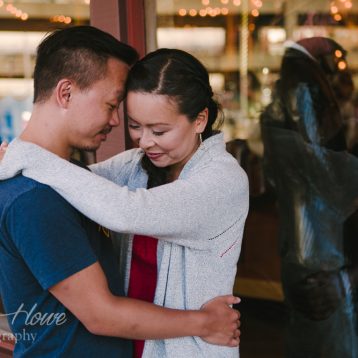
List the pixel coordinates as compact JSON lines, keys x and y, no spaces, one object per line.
{"x":120,"y":95}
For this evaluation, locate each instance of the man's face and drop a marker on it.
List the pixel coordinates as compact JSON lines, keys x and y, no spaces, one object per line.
{"x":94,"y":111}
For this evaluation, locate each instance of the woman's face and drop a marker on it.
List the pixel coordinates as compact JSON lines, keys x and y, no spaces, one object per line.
{"x":167,"y":137}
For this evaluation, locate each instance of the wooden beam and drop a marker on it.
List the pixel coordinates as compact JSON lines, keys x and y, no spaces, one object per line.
{"x":124,"y":19}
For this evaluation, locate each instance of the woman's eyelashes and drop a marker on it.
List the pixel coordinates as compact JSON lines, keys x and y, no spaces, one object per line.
{"x":136,"y":127}
{"x":133,"y":126}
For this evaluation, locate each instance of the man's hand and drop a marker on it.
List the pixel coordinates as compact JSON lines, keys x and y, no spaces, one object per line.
{"x":3,"y":147}
{"x":223,"y":322}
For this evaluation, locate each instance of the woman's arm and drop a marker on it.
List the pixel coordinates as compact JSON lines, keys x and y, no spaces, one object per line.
{"x":179,"y":211}
{"x":117,"y":168}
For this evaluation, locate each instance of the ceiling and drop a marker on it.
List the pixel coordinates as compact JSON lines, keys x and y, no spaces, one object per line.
{"x":268,"y":6}
{"x":45,"y":8}
{"x":39,"y":9}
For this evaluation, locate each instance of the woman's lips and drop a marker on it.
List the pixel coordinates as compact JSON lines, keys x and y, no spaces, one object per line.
{"x":154,"y":156}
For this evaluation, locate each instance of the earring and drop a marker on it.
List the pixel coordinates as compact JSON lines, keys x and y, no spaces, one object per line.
{"x":200,"y":138}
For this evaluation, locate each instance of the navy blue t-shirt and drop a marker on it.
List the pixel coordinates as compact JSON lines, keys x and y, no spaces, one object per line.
{"x":44,"y":240}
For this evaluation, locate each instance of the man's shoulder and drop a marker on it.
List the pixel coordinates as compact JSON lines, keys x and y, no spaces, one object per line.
{"x":18,"y":187}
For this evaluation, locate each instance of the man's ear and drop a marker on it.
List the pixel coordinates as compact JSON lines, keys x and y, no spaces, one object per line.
{"x":63,"y":92}
{"x":201,"y":120}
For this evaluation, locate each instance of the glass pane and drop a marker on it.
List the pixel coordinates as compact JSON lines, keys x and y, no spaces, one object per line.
{"x":260,"y":62}
{"x":22,"y":26}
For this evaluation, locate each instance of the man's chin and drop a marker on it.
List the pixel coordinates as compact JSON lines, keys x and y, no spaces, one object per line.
{"x":88,"y":148}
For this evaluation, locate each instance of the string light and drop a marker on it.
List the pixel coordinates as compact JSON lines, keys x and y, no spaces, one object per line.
{"x":62,"y":19}
{"x":338,"y":8}
{"x":255,"y":13}
{"x":16,"y":12}
{"x":21,"y":15}
{"x":342,"y":65}
{"x":212,"y":13}
{"x":252,"y":27}
{"x":255,"y":6}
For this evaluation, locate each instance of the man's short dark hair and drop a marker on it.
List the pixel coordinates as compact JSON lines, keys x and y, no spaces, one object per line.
{"x":79,"y":53}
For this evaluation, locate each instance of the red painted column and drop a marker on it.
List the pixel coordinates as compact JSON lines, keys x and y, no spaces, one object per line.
{"x":125,"y":20}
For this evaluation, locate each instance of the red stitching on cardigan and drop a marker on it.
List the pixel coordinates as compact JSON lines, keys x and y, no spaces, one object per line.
{"x":226,"y":251}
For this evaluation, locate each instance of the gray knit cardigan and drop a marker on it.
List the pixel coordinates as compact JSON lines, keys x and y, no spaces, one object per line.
{"x":198,"y":219}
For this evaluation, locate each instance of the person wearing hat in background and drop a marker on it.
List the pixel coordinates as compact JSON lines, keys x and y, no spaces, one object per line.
{"x":315,"y":180}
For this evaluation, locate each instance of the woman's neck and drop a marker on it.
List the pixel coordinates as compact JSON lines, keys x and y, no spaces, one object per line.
{"x":177,"y":168}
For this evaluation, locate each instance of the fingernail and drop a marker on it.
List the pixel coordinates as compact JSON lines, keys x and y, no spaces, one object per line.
{"x":237,"y":299}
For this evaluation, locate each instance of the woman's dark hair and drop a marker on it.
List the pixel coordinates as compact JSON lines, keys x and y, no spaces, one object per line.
{"x":183,"y":78}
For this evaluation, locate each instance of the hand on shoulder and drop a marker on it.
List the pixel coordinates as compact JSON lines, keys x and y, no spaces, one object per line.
{"x":3,"y":147}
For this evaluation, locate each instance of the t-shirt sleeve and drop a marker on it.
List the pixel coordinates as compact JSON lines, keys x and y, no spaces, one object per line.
{"x":49,"y":236}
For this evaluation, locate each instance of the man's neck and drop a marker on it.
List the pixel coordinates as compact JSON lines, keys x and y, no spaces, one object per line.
{"x":46,"y":130}
{"x":47,"y":140}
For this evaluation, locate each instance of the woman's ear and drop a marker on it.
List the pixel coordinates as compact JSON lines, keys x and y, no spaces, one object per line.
{"x":63,"y":92}
{"x":202,"y":120}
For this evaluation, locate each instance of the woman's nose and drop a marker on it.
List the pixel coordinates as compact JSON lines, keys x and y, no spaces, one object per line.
{"x":146,"y":141}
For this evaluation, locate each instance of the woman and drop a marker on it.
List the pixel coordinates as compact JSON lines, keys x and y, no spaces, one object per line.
{"x":198,"y":218}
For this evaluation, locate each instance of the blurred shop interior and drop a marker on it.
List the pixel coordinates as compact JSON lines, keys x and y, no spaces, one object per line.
{"x":241,"y":42}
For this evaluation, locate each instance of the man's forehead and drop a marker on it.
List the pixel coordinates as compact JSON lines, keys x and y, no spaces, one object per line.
{"x":116,"y":70}
{"x":117,"y":63}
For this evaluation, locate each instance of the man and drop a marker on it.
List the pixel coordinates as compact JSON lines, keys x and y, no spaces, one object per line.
{"x":315,"y":181}
{"x":58,"y":278}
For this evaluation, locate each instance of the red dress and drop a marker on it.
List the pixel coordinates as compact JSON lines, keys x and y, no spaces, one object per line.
{"x":143,"y":276}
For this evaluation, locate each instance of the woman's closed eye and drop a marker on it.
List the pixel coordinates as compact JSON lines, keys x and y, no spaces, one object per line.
{"x":158,"y":133}
{"x":133,"y":126}
{"x":137,"y":126}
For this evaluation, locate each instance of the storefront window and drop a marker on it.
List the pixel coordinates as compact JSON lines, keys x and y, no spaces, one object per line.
{"x":22,"y":26}
{"x":242,"y":43}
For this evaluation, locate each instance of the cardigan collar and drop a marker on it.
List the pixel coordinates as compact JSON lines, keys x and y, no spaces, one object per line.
{"x":213,"y":144}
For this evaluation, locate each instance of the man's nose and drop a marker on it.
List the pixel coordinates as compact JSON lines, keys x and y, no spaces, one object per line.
{"x":115,"y":119}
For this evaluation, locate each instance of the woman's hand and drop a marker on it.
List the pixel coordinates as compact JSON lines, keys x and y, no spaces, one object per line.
{"x":3,"y":147}
{"x":223,"y":322}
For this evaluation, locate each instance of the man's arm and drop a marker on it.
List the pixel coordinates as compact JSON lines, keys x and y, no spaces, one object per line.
{"x":87,"y":296}
{"x":48,"y":234}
